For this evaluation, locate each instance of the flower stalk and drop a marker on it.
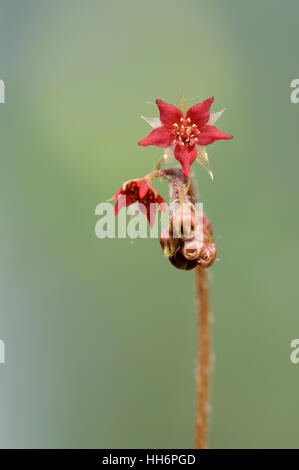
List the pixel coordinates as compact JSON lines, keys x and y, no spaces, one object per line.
{"x":204,"y":356}
{"x":204,"y":347}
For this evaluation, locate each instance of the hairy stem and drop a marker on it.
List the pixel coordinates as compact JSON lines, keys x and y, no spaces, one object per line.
{"x":204,"y":350}
{"x":203,"y":369}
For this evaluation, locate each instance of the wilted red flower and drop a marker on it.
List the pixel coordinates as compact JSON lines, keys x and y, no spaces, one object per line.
{"x":185,"y":133}
{"x":141,"y":191}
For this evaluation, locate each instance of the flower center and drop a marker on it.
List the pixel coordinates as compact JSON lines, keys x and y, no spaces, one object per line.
{"x":185,"y":133}
{"x":149,"y":198}
{"x":133,"y":191}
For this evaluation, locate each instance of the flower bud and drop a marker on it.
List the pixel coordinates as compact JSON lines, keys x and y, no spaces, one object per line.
{"x":207,"y":224}
{"x":191,"y":248}
{"x":183,"y":221}
{"x":179,"y":261}
{"x":168,"y":243}
{"x":207,"y":255}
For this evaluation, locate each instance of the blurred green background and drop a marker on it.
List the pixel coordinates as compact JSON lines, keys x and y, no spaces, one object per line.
{"x":101,"y":334}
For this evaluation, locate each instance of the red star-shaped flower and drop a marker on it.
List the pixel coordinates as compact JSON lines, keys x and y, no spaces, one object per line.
{"x":188,"y":133}
{"x":141,"y":191}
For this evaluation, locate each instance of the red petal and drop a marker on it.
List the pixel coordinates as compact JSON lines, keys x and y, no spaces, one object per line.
{"x":185,"y":155}
{"x":151,"y":211}
{"x":115,"y":197}
{"x":122,"y":190}
{"x":200,"y":113}
{"x":122,"y":201}
{"x":161,"y":137}
{"x":143,"y":188}
{"x":209,"y":134}
{"x":169,"y":114}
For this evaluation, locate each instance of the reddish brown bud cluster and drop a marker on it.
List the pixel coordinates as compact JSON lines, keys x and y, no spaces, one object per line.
{"x":188,"y":250}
